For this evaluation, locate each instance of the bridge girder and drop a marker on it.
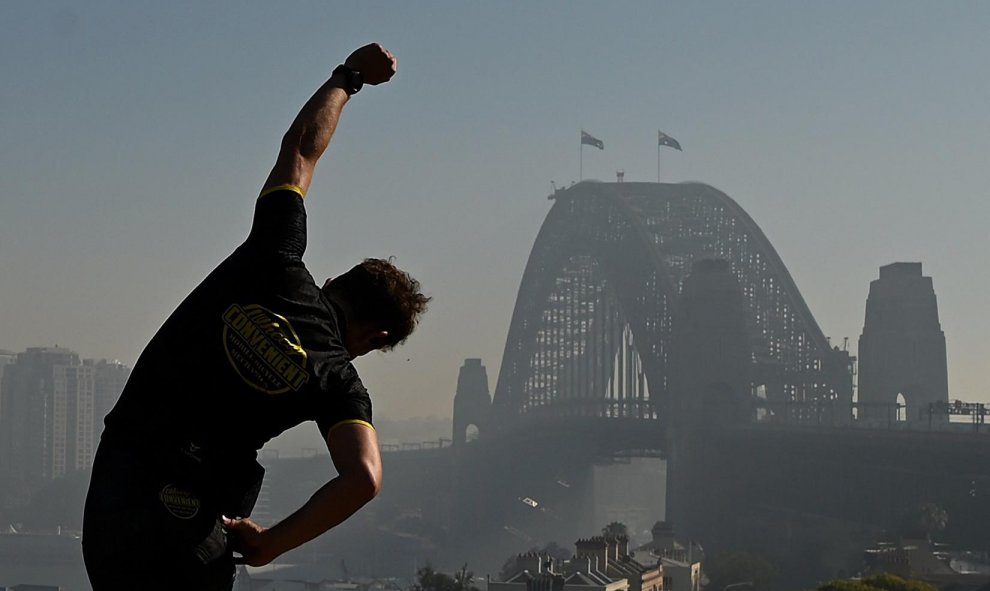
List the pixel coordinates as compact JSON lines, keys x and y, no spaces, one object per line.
{"x":604,"y":277}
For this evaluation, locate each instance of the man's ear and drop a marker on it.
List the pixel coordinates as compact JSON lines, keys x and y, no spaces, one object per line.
{"x":379,"y":339}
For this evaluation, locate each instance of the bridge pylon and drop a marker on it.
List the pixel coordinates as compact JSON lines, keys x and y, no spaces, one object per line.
{"x":711,"y":388}
{"x":472,"y":402}
{"x":902,"y":363}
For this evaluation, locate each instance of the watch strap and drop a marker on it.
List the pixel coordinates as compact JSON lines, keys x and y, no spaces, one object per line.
{"x":353,"y":79}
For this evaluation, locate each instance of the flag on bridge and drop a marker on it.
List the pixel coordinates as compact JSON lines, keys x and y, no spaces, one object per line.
{"x":587,"y":138}
{"x":665,"y":140}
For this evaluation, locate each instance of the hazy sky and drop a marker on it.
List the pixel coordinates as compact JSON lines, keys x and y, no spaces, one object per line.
{"x":134,"y":137}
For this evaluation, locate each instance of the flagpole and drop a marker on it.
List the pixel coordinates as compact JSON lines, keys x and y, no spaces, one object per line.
{"x":658,"y":160}
{"x":581,"y":164}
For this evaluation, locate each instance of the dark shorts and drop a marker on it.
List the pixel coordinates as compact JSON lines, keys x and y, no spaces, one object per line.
{"x":144,"y":527}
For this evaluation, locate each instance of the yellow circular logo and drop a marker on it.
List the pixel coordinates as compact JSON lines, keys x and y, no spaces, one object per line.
{"x":263,"y":349}
{"x":180,"y":503}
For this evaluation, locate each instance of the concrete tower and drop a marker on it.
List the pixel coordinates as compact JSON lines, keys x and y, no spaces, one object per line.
{"x":902,"y":348}
{"x":713,"y":366}
{"x":472,"y":402}
{"x":710,"y":389}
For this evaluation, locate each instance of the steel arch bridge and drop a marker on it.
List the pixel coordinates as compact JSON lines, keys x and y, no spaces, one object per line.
{"x":592,"y":331}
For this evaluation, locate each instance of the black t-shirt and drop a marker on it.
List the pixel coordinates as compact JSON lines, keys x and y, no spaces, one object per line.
{"x":255,"y":349}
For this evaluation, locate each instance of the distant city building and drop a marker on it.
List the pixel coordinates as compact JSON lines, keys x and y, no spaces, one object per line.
{"x":917,"y":557}
{"x":539,"y":572}
{"x":110,"y":377}
{"x":51,"y":412}
{"x":613,"y":558}
{"x":902,"y":363}
{"x":680,"y":575}
{"x":32,"y":427}
{"x":6,"y":358}
{"x":600,"y":564}
{"x":681,"y":565}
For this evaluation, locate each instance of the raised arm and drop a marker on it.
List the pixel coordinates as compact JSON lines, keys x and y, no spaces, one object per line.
{"x":310,"y":132}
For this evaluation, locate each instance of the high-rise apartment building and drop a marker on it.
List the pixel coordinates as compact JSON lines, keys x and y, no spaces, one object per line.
{"x":110,"y":378}
{"x":51,"y":412}
{"x":6,"y":357}
{"x":32,"y":426}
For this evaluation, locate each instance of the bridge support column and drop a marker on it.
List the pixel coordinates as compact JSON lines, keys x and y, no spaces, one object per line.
{"x":710,"y":390}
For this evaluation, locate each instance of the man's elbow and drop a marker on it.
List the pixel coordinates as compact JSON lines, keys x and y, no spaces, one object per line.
{"x":366,"y":484}
{"x":375,"y":485}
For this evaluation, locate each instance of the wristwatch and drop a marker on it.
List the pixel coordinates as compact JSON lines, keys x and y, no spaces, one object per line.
{"x":354,"y":81}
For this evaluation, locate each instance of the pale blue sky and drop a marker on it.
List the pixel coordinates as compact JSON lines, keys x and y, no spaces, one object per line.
{"x":134,"y":137}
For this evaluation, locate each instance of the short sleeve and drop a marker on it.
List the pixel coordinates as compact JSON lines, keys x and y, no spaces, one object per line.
{"x":279,"y":226}
{"x":343,"y":400}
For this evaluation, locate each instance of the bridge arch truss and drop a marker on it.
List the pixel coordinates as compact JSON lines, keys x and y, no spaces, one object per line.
{"x":591,"y":333}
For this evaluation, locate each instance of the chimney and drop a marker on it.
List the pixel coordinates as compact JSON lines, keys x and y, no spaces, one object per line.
{"x":530,"y":561}
{"x":596,"y":548}
{"x":622,"y":547}
{"x":612,"y":548}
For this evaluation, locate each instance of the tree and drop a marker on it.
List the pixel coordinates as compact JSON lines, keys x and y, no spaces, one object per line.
{"x":428,"y":579}
{"x":883,"y":582}
{"x":616,"y":529}
{"x":846,"y":585}
{"x":556,"y":551}
{"x":931,"y":518}
{"x":741,"y":567}
{"x":463,"y":579}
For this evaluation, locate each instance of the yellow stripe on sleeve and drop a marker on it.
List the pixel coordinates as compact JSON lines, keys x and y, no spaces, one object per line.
{"x":293,"y":188}
{"x":351,"y":422}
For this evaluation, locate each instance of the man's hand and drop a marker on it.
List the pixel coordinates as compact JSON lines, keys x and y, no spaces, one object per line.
{"x":375,"y":63}
{"x":249,"y":540}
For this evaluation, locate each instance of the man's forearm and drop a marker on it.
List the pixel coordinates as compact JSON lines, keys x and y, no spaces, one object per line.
{"x":308,"y":136}
{"x":330,"y":505}
{"x":311,"y":131}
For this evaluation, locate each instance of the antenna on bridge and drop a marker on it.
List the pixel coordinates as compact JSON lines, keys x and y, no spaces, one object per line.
{"x":845,"y":343}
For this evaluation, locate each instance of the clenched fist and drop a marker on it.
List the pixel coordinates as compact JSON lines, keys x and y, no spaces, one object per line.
{"x":375,"y":63}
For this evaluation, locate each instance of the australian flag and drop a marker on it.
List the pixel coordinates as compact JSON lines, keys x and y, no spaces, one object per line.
{"x":665,"y":140}
{"x":587,"y":138}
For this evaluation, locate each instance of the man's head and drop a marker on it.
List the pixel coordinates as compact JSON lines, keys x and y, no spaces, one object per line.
{"x":382,"y":303}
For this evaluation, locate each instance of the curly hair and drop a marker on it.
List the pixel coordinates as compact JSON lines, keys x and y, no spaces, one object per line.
{"x":383,"y":295}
